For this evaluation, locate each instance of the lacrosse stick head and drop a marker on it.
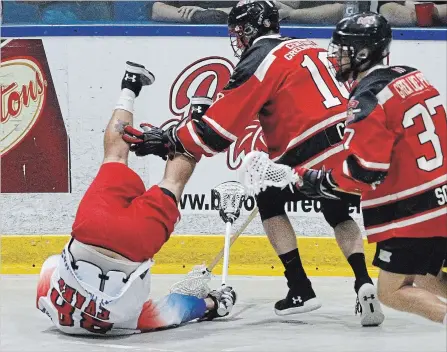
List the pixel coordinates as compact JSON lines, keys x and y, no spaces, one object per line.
{"x":230,"y":196}
{"x":259,"y":172}
{"x":195,"y":283}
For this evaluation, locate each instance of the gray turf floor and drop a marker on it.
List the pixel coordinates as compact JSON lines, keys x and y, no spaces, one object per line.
{"x":253,"y":326}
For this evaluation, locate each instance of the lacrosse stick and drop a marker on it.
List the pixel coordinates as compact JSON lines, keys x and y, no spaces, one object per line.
{"x":230,"y":196}
{"x":259,"y":172}
{"x":233,"y":238}
{"x":195,"y":283}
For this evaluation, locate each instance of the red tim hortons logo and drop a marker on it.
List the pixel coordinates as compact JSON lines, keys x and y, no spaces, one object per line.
{"x":34,"y":145}
{"x":205,"y":77}
{"x":21,"y":99}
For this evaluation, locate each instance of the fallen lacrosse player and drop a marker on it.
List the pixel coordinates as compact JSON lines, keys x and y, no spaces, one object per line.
{"x":100,"y":283}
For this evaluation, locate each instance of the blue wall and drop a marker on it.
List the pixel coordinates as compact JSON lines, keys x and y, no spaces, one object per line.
{"x":19,"y":31}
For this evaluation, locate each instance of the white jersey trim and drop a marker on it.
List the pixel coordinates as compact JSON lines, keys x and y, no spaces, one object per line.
{"x":384,"y":95}
{"x":261,"y":71}
{"x":196,"y":139}
{"x":372,"y":165}
{"x":324,"y":156}
{"x":220,"y":129}
{"x":346,"y":168}
{"x":312,"y":130}
{"x":412,"y":221}
{"x":404,"y":194}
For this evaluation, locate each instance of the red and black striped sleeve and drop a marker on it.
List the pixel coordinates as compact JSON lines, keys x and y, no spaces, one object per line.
{"x":369,"y":142}
{"x":251,"y":86}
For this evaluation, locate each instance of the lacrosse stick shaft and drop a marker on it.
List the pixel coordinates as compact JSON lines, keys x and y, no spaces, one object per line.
{"x":222,"y":309}
{"x":226,"y":253}
{"x":233,"y":238}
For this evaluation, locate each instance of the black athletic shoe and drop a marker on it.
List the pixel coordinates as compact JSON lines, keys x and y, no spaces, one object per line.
{"x":298,"y":300}
{"x":135,"y":77}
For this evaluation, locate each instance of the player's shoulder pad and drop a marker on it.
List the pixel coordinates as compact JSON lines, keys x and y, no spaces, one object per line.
{"x":251,"y":60}
{"x":363,"y":99}
{"x":378,"y":79}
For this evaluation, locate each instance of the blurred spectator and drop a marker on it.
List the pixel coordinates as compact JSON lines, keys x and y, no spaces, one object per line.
{"x":198,"y":12}
{"x":312,"y":12}
{"x":19,"y":12}
{"x":68,"y":12}
{"x":132,"y":11}
{"x":57,"y":12}
{"x":404,"y":13}
{"x":398,"y":13}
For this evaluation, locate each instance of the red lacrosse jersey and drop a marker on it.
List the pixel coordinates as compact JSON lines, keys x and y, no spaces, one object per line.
{"x":287,"y":84}
{"x":396,"y":140}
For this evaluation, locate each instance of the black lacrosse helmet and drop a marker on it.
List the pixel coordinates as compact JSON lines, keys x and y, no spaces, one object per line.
{"x":249,"y":20}
{"x":364,"y":38}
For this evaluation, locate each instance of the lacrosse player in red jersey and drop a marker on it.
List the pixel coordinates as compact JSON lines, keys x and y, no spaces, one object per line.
{"x":101,"y":282}
{"x":396,"y":139}
{"x":286,"y":82}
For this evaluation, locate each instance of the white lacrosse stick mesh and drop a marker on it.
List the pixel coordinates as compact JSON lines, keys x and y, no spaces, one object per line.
{"x":195,"y":283}
{"x":259,"y":172}
{"x":231,"y":194}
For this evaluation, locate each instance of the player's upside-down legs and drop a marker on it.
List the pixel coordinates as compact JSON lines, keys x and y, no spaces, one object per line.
{"x":101,"y":281}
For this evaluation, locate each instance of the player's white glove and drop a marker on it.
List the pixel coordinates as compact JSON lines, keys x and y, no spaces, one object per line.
{"x":225,"y":296}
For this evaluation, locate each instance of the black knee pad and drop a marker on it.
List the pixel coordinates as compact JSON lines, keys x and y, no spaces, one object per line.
{"x":335,"y":211}
{"x":271,"y":203}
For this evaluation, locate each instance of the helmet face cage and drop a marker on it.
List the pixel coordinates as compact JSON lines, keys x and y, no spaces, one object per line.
{"x":341,"y":58}
{"x":349,"y":59}
{"x":241,"y":37}
{"x":249,"y":21}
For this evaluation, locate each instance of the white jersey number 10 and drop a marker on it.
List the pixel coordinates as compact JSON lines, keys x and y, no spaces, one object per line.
{"x":330,"y":100}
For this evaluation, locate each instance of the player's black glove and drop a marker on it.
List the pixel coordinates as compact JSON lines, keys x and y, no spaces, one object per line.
{"x":160,"y":141}
{"x":153,"y":140}
{"x":226,"y":296}
{"x":317,"y":183}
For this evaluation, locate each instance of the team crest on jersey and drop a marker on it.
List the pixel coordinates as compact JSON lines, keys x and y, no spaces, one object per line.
{"x":205,"y":77}
{"x":252,"y":140}
{"x":352,"y":110}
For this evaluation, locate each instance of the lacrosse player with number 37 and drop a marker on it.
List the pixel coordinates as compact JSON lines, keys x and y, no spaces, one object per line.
{"x":101,"y":282}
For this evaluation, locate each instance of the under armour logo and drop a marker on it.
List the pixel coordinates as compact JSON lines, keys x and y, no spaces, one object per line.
{"x":197,"y":109}
{"x":297,"y":300}
{"x":365,"y":298}
{"x":132,"y":78}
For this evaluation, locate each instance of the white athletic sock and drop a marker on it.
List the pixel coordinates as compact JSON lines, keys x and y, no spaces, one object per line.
{"x":126,"y":100}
